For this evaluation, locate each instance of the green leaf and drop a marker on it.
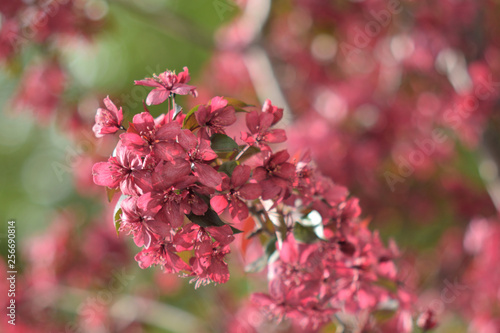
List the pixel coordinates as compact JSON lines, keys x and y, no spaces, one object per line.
{"x":237,"y":104}
{"x":110,"y":192}
{"x":304,"y":234}
{"x":222,"y":142}
{"x":314,"y":220}
{"x":117,"y":212}
{"x":118,"y":221}
{"x":209,"y":219}
{"x":228,"y":167}
{"x":249,"y":153}
{"x":190,"y":121}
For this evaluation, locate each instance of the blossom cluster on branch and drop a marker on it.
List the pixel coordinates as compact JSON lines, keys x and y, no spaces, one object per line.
{"x":185,"y":183}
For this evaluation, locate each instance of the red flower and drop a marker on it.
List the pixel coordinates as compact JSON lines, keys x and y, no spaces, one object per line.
{"x":144,"y":228}
{"x":108,"y":120}
{"x":276,"y":175}
{"x":208,"y":262}
{"x":233,"y":190}
{"x":216,"y":115}
{"x":259,"y":124}
{"x":165,"y":201}
{"x":145,"y":137}
{"x":198,"y":153}
{"x":126,"y":170}
{"x":165,"y":84}
{"x":277,"y":113}
{"x":161,"y":253}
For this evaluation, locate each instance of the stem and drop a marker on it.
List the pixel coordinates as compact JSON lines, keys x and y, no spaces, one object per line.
{"x":280,"y":227}
{"x":174,"y":115}
{"x":242,"y":152}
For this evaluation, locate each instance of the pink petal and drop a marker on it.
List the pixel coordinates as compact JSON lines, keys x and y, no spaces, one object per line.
{"x":222,"y":234}
{"x":253,"y":122}
{"x":159,"y":228}
{"x":150,"y":204}
{"x":168,"y":131}
{"x":174,"y":264}
{"x":259,"y":174}
{"x":146,"y":258}
{"x":265,"y":121}
{"x":207,"y":154}
{"x":275,"y":136}
{"x":218,"y":271}
{"x":238,"y":209}
{"x":147,"y":83}
{"x":168,"y":151}
{"x":217,"y":102}
{"x":143,"y":122}
{"x":240,"y":175}
{"x":174,"y":214}
{"x":286,"y":171}
{"x":142,"y":238}
{"x":187,"y":140}
{"x":269,"y":189}
{"x":132,"y":140}
{"x":225,"y":116}
{"x":207,"y":175}
{"x":250,"y":191}
{"x":107,"y":174}
{"x":280,"y":157}
{"x":157,"y":96}
{"x":184,"y":89}
{"x":183,"y":77}
{"x":218,"y":203}
{"x":201,"y":115}
{"x":167,"y":174}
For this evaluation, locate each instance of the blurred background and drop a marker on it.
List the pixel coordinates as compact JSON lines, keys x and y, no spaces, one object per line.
{"x":397,"y":100}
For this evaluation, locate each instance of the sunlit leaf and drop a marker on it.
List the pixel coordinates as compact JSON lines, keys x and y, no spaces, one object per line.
{"x":222,"y":142}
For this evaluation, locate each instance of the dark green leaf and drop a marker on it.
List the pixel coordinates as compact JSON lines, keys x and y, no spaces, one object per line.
{"x":110,"y":192}
{"x":228,"y":167}
{"x":210,"y":218}
{"x":249,"y":153}
{"x":235,"y":230}
{"x":237,"y":104}
{"x":118,"y":221}
{"x":117,"y":212}
{"x":222,"y":142}
{"x":190,"y":121}
{"x":304,"y":234}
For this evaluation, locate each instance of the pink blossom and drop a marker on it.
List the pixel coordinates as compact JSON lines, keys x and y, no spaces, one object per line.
{"x":108,"y":120}
{"x":144,"y":137}
{"x":233,"y":190}
{"x":199,"y":153}
{"x":216,"y":115}
{"x":144,"y":228}
{"x":259,"y":124}
{"x":166,"y":84}
{"x":276,"y":175}
{"x":165,"y":201}
{"x":126,"y":170}
{"x":161,"y":253}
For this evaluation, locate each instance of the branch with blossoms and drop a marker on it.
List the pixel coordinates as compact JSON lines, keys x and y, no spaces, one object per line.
{"x":185,"y":183}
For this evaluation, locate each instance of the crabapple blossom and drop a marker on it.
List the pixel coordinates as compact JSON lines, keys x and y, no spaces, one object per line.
{"x":178,"y":175}
{"x":108,"y":120}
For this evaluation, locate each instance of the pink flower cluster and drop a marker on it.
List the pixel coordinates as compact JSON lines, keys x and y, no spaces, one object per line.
{"x":180,"y":175}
